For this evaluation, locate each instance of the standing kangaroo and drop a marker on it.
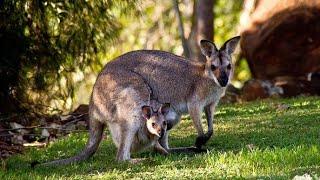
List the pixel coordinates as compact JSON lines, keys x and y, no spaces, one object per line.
{"x":127,"y":83}
{"x":190,"y":87}
{"x":121,"y":100}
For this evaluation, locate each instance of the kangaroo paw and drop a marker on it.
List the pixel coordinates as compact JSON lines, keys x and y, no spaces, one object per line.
{"x":201,"y":140}
{"x":187,"y":150}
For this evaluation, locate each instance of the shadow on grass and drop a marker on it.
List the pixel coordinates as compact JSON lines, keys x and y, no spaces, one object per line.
{"x":265,"y":130}
{"x":278,"y":131}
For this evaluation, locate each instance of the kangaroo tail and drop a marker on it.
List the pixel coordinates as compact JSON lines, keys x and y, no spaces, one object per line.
{"x":95,"y":135}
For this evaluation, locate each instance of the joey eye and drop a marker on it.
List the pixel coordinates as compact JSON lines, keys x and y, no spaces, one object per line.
{"x":213,"y":67}
{"x":229,"y":66}
{"x":153,"y":125}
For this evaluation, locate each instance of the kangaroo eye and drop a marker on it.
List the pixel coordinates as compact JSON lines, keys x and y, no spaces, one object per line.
{"x":229,"y":66}
{"x":213,"y":67}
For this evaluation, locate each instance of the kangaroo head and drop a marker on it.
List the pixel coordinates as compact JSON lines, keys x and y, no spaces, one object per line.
{"x":155,"y":119}
{"x":218,"y":64}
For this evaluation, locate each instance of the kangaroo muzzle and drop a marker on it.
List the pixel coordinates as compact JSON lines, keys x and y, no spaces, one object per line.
{"x":223,"y":79}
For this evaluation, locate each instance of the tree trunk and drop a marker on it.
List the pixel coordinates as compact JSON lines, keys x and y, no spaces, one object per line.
{"x":202,"y":27}
{"x":186,"y":50}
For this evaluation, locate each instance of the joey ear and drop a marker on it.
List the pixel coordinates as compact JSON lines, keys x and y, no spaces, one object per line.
{"x":230,"y":45}
{"x":165,"y":108}
{"x":146,"y":112}
{"x":207,"y":47}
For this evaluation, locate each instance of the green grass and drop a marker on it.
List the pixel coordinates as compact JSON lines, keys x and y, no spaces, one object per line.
{"x":252,"y":140}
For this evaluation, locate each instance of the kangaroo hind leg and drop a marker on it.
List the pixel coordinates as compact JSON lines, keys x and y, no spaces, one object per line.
{"x":126,"y":138}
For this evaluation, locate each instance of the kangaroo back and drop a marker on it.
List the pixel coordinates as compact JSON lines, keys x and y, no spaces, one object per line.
{"x":172,"y":78}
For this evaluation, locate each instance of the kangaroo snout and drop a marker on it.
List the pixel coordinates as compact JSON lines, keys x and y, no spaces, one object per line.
{"x":161,"y":129}
{"x":223,"y":79}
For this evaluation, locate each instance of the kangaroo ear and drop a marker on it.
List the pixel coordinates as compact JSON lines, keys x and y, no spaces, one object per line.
{"x":146,"y":112}
{"x":230,"y":45}
{"x":165,"y":108}
{"x":207,"y":47}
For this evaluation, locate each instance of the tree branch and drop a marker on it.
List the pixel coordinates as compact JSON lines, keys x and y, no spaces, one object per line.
{"x":186,"y":50}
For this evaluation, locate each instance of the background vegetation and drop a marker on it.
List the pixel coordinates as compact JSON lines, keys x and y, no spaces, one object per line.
{"x":51,"y":51}
{"x":49,"y":46}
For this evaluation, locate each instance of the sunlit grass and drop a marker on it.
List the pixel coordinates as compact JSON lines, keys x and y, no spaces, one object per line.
{"x":251,"y":140}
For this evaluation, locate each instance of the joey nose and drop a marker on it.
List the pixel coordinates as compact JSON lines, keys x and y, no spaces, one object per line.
{"x":161,"y":133}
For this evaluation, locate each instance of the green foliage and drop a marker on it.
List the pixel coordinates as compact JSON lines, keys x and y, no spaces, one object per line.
{"x":253,"y":140}
{"x":48,"y":46}
{"x":50,"y":49}
{"x":227,"y":15}
{"x":242,"y":72}
{"x":157,"y":28}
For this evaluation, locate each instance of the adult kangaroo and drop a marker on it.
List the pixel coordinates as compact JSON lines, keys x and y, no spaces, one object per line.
{"x":189,"y":86}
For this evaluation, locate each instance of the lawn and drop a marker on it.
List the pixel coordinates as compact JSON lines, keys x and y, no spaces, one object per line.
{"x":269,"y":139}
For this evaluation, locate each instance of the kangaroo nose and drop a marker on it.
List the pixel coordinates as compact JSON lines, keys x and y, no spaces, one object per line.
{"x":223,"y":80}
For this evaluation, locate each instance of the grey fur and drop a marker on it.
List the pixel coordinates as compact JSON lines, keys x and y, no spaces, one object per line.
{"x":126,"y":83}
{"x":190,"y":87}
{"x":117,"y":100}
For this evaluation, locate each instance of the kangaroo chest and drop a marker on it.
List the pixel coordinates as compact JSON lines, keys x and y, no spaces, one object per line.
{"x":200,"y":98}
{"x":141,"y":141}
